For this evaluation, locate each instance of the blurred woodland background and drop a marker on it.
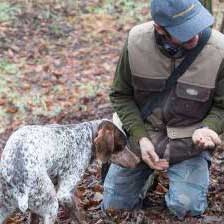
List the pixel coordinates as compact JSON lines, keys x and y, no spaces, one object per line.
{"x":57,"y":61}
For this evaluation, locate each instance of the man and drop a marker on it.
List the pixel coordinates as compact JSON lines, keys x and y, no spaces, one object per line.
{"x":183,"y":128}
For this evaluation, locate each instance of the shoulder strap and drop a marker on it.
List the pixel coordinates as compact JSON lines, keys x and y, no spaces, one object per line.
{"x":177,"y":73}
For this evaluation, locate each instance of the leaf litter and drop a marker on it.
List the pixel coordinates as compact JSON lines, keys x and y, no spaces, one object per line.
{"x":57,"y":62}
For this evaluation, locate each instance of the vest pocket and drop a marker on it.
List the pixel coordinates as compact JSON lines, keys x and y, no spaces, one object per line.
{"x":187,"y":104}
{"x":194,"y":93}
{"x":145,"y":89}
{"x":145,"y":84}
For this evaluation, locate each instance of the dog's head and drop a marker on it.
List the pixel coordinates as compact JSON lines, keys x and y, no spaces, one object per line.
{"x":109,"y":140}
{"x":111,"y":144}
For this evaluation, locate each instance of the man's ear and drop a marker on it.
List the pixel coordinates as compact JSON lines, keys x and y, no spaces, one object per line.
{"x":159,"y":29}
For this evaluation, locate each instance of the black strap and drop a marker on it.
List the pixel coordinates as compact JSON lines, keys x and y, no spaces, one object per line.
{"x":180,"y":70}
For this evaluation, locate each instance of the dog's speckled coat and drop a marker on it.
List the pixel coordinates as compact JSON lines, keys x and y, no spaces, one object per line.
{"x":33,"y":157}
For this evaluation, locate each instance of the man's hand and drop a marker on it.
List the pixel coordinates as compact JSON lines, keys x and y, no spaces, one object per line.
{"x":150,"y":157}
{"x":206,"y":138}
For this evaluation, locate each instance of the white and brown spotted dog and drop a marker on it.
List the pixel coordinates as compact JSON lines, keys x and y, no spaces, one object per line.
{"x":36,"y":156}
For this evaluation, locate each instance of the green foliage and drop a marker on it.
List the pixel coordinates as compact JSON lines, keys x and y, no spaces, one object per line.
{"x":7,"y":67}
{"x":56,"y":30}
{"x":3,"y":85}
{"x":8,"y":12}
{"x":89,"y":89}
{"x":122,"y":8}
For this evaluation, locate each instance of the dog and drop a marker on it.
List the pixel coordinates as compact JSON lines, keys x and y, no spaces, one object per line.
{"x":41,"y":165}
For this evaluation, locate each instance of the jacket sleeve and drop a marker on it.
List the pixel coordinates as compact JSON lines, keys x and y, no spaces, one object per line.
{"x":122,"y":99}
{"x":215,"y":118}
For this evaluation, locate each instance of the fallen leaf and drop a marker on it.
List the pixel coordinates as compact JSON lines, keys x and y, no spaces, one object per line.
{"x":3,"y":101}
{"x":11,"y":108}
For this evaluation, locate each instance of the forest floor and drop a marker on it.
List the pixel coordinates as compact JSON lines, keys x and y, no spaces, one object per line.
{"x":57,"y":62}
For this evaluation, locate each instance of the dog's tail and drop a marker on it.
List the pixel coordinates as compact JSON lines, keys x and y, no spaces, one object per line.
{"x":23,"y":202}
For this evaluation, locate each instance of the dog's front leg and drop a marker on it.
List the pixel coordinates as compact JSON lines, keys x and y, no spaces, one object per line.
{"x":66,"y":198}
{"x":73,"y":211}
{"x":34,"y":218}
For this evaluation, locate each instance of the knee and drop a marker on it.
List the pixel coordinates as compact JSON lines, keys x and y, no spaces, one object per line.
{"x":112,"y":199}
{"x":188,"y":202}
{"x":123,"y":186}
{"x":120,"y":193}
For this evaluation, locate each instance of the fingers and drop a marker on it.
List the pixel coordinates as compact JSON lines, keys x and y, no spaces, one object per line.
{"x":205,"y":142}
{"x":149,"y":162}
{"x":154,"y":156}
{"x":150,"y":157}
{"x":161,"y":164}
{"x":215,"y":138}
{"x":206,"y":138}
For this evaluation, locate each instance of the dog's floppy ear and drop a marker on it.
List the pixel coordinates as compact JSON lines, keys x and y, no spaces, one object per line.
{"x":120,"y":140}
{"x":109,"y":139}
{"x":107,"y":132}
{"x":115,"y":138}
{"x":104,"y":141}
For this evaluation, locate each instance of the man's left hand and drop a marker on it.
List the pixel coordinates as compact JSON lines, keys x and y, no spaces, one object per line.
{"x":206,"y":138}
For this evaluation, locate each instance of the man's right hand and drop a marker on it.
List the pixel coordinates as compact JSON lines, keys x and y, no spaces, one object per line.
{"x":150,"y":157}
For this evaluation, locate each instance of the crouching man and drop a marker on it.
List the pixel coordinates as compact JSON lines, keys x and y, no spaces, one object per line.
{"x":168,"y":92}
